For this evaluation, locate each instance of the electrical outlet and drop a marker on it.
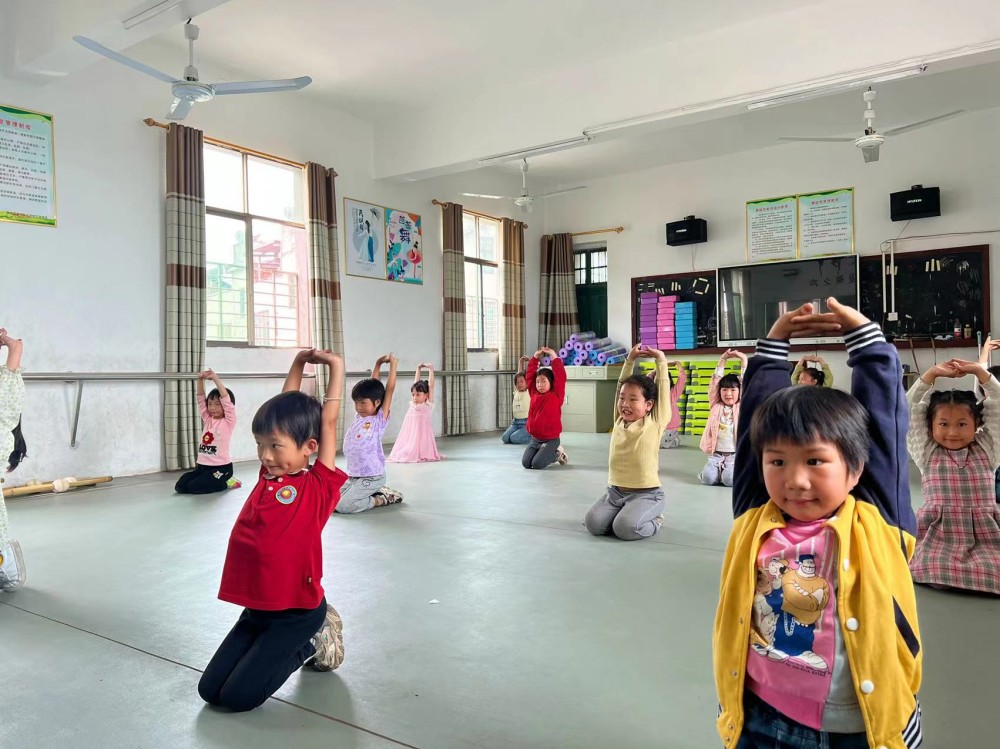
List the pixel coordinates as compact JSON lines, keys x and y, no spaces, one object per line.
{"x":892,"y":317}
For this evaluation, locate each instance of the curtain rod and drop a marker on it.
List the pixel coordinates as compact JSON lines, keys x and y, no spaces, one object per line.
{"x":445,"y":204}
{"x":242,"y":149}
{"x":615,"y":229}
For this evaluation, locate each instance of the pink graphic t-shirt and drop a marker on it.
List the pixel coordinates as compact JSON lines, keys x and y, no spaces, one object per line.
{"x":363,"y":445}
{"x":793,"y":643}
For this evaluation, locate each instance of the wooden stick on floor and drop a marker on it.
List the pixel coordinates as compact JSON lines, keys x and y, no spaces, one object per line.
{"x":24,"y":491}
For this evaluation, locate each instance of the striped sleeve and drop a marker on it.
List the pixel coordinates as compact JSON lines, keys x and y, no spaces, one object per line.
{"x":866,"y":335}
{"x":772,"y":349}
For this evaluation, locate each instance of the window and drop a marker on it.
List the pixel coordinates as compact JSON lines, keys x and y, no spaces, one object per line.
{"x":591,"y":266}
{"x":256,"y":256}
{"x":482,"y":282}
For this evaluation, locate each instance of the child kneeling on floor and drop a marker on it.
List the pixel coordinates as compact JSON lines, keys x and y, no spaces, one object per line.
{"x":816,"y":640}
{"x":274,"y":563}
{"x":12,"y":451}
{"x":718,"y":440}
{"x":633,"y":503}
{"x":214,"y":472}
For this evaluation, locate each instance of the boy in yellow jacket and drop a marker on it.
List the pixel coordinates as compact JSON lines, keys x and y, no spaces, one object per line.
{"x":816,"y":640}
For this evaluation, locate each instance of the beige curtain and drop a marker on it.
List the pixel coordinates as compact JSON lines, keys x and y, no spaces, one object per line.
{"x":326,"y":312}
{"x":455,"y":393}
{"x":557,"y":313}
{"x":512,"y":319}
{"x":184,"y":339}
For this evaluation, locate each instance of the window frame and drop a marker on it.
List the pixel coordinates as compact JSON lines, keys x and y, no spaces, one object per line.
{"x":481,"y":263}
{"x":248,"y":218}
{"x":588,"y":254}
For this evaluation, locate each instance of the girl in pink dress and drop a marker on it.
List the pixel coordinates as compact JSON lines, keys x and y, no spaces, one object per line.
{"x":415,"y":443}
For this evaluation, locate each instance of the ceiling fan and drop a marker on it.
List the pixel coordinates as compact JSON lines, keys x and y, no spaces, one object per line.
{"x":188,"y":90}
{"x":869,"y":142}
{"x":524,"y":201}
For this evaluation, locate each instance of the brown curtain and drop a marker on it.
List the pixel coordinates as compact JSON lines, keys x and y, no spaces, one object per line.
{"x":455,"y":393}
{"x":557,"y":313}
{"x":326,"y":312}
{"x":512,"y":320}
{"x":184,"y":338}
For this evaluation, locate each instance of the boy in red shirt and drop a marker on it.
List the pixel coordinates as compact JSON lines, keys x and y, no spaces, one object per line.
{"x":275,"y":558}
{"x":548,"y":390}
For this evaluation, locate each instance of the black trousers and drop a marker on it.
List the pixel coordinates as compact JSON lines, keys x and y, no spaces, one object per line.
{"x":258,"y":655}
{"x":202,"y":480}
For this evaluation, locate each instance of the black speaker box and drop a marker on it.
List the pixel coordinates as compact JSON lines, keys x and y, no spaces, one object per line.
{"x":917,"y":202}
{"x":689,"y":231}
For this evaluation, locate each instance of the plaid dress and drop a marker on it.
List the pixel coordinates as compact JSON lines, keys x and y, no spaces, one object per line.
{"x":958,"y":526}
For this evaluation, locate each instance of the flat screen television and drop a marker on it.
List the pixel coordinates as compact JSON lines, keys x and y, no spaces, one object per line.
{"x":752,"y":297}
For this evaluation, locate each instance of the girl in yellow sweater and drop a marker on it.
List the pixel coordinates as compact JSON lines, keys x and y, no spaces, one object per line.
{"x":633,"y":503}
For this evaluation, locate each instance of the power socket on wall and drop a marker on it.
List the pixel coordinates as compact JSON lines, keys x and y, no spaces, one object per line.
{"x":892,"y":317}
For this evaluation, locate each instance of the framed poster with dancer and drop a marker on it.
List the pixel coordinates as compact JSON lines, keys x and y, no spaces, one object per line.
{"x":364,"y":239}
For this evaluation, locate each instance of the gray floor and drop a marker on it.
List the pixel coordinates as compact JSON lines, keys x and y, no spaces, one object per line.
{"x":543,"y":637}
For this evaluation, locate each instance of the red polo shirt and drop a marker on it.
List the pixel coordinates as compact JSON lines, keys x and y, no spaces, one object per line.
{"x":275,"y":555}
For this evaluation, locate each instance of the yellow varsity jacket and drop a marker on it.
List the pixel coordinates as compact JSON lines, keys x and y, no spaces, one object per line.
{"x":876,"y":606}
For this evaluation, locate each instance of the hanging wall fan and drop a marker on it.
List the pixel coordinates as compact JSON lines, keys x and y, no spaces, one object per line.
{"x":871,"y":141}
{"x":188,"y":90}
{"x":524,"y":201}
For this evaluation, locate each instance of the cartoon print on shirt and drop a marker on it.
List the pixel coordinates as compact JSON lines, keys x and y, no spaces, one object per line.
{"x":787,"y":605}
{"x":206,"y":447}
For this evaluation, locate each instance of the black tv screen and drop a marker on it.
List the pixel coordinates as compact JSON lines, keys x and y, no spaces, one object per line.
{"x":752,"y":297}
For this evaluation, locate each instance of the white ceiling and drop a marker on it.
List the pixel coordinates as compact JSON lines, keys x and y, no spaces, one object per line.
{"x":371,"y":57}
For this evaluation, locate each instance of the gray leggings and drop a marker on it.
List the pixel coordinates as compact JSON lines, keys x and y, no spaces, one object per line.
{"x":540,"y":454}
{"x":718,"y":470}
{"x":356,"y":494}
{"x":629,"y":515}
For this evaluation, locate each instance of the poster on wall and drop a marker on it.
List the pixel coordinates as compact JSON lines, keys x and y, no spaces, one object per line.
{"x":27,"y":167}
{"x":404,"y":249}
{"x":772,"y":230}
{"x":826,"y":223}
{"x":364,"y":243}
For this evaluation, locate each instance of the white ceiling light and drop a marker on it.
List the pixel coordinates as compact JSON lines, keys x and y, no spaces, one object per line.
{"x":154,"y":10}
{"x":833,"y":88}
{"x":560,"y":145}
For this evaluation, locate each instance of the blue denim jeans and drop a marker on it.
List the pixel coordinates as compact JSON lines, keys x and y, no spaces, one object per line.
{"x":517,"y":433}
{"x":766,"y":728}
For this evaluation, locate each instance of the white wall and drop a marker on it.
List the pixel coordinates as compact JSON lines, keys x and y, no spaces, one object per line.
{"x":88,"y":295}
{"x":961,"y":156}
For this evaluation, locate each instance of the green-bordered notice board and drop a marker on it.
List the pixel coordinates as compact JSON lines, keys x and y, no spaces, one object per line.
{"x":27,"y":167}
{"x":800,"y":226}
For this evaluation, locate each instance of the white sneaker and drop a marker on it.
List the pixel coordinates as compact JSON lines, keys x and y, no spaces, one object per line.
{"x":561,"y":457}
{"x":12,"y":574}
{"x":329,"y":643}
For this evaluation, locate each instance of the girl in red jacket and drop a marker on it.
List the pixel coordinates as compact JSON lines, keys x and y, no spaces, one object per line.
{"x":548,"y":389}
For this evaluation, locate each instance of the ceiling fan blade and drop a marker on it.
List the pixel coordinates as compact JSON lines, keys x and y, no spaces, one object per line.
{"x":117,"y":57}
{"x":180,"y":109}
{"x":261,"y":87}
{"x":560,"y":192}
{"x":490,"y":197}
{"x":817,"y":140}
{"x":922,"y":123}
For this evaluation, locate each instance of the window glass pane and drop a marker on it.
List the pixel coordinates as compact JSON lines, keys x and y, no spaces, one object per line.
{"x":275,"y":190}
{"x":599,"y":258}
{"x":223,"y":179}
{"x":579,"y":260}
{"x":473,"y":299}
{"x":581,"y":277}
{"x":280,"y":298}
{"x":489,"y":239}
{"x":226,"y":279}
{"x":491,"y":307}
{"x":471,"y":248}
{"x":598,"y":275}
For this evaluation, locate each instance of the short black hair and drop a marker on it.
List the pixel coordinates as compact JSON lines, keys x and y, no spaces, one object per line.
{"x":817,"y":374}
{"x":801,"y":415}
{"x":730,"y":381}
{"x":547,"y":374}
{"x":20,"y":451}
{"x":369,"y":388}
{"x":293,"y":413}
{"x":954,"y":398}
{"x":214,"y":393}
{"x":645,"y":384}
{"x":520,"y":374}
{"x":421,"y":386}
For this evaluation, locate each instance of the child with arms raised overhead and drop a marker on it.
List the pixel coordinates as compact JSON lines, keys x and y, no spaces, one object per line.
{"x":718,"y":441}
{"x":633,"y":503}
{"x":955,"y":442}
{"x":517,"y":432}
{"x":12,"y":451}
{"x":274,"y":564}
{"x":218,"y":414}
{"x":548,"y":391}
{"x":816,"y":640}
{"x":415,"y":443}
